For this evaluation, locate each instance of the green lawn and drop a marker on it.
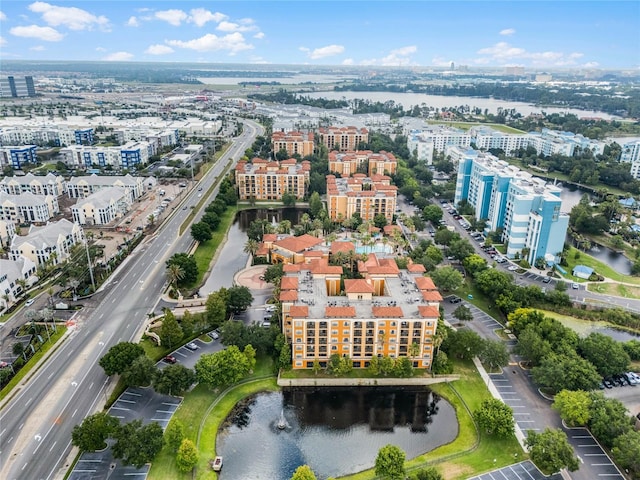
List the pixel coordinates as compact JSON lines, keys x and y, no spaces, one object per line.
{"x":468,"y":125}
{"x":599,"y":267}
{"x":479,"y":299}
{"x":615,"y":289}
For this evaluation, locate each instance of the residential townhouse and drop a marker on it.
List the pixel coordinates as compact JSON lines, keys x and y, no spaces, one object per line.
{"x":17,"y":156}
{"x":344,"y":139}
{"x":270,"y":180}
{"x":388,"y":312}
{"x":82,"y":187}
{"x":49,"y":243}
{"x":362,"y":161}
{"x":293,"y":142}
{"x":7,"y":231}
{"x":48,"y":184}
{"x":102,"y":207}
{"x":367,"y":196}
{"x":528,"y":210}
{"x":28,"y":208}
{"x":13,"y":275}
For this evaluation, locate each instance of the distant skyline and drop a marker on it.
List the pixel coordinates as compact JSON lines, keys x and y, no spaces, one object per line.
{"x":533,"y":34}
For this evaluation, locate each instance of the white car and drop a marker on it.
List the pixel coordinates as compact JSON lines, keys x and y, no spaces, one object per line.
{"x":513,"y":268}
{"x":29,"y":302}
{"x":192,"y":346}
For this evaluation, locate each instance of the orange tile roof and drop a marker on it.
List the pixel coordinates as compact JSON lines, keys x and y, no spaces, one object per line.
{"x":322,"y":267}
{"x":262,"y":251}
{"x":313,"y":254}
{"x":269,"y":237}
{"x":340,"y":312}
{"x":416,"y":268}
{"x":298,"y":244}
{"x":357,"y":285}
{"x":342,"y":247}
{"x":299,"y":311}
{"x":289,"y":296}
{"x":291,"y":267}
{"x":425,"y":283}
{"x":428,"y":311}
{"x":289,"y":283}
{"x":431,"y":296}
{"x":389,"y":229}
{"x":388,"y":312}
{"x":385,"y":266}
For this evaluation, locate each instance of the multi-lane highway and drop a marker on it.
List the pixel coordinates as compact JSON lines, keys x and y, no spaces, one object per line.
{"x":35,"y":426}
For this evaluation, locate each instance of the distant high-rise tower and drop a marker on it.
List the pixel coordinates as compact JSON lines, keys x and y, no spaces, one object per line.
{"x":453,"y":66}
{"x":17,"y":87}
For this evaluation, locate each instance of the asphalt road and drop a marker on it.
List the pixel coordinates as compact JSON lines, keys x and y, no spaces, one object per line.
{"x":36,"y":424}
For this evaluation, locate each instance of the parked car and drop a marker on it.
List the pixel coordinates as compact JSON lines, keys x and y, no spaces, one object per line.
{"x":575,"y":286}
{"x":214,"y":335}
{"x":607,"y":383}
{"x":455,"y":300}
{"x":192,"y":346}
{"x":513,"y":268}
{"x":169,"y":359}
{"x":29,"y":302}
{"x":546,"y":279}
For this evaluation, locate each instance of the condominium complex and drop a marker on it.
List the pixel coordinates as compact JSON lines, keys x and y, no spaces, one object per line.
{"x":49,"y":243}
{"x":48,"y":184}
{"x":293,"y":142}
{"x":12,"y":86}
{"x":344,"y":139}
{"x":388,"y":312}
{"x":435,"y":138}
{"x":102,"y":207}
{"x":82,"y":187}
{"x":17,"y":156}
{"x":13,"y":275}
{"x":366,"y":196}
{"x":133,"y":154}
{"x":265,"y":180}
{"x":487,"y":138}
{"x":362,"y":161}
{"x":37,"y":135}
{"x":525,"y":207}
{"x":631,"y":155}
{"x":28,"y":208}
{"x":549,"y":142}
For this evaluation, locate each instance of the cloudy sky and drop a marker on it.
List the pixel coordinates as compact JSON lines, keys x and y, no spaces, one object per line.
{"x":540,"y":34}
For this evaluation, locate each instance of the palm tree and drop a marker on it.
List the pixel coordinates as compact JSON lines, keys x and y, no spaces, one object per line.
{"x":251,"y":247}
{"x":175,"y":273}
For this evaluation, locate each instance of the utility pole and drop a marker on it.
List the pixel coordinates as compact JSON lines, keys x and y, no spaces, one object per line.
{"x":86,"y":244}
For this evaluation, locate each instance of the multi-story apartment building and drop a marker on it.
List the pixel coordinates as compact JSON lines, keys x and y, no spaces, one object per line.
{"x":102,"y":207}
{"x":549,"y":142}
{"x":52,"y":242}
{"x":265,"y":180}
{"x":362,"y":161}
{"x":434,"y":139}
{"x":162,"y":138}
{"x":41,"y":136}
{"x":344,"y":139}
{"x":631,"y":154}
{"x":82,"y":187}
{"x":293,"y":142}
{"x":7,"y":231}
{"x":126,"y":156}
{"x":28,"y":208}
{"x":367,"y":196}
{"x":16,"y":156}
{"x":13,"y":273}
{"x":388,"y":312}
{"x":487,"y":138}
{"x":525,"y":207}
{"x":11,"y":86}
{"x":84,"y":136}
{"x":48,"y":184}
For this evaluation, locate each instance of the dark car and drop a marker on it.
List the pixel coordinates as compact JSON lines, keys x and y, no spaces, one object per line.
{"x":455,"y":300}
{"x":607,"y":383}
{"x":169,"y":359}
{"x":546,"y":279}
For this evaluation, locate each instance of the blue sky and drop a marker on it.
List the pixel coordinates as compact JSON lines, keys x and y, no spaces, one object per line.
{"x":537,"y":34}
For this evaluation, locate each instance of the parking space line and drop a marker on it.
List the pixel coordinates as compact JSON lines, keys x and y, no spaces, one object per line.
{"x":120,"y":408}
{"x":594,"y":454}
{"x":127,"y":401}
{"x":132,"y":393}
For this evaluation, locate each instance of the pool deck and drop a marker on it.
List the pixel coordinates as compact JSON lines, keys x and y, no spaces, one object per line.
{"x":365,"y":382}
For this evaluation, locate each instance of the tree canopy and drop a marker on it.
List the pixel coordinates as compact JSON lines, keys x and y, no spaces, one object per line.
{"x":222,"y":368}
{"x":188,"y":265}
{"x":390,"y":463}
{"x":137,"y":444}
{"x":120,"y":357}
{"x":174,"y":380}
{"x":550,"y":451}
{"x":303,"y":472}
{"x":92,"y":433}
{"x":495,"y":417}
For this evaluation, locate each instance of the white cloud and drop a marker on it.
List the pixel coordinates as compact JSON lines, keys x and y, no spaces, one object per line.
{"x":158,"y":50}
{"x":259,"y":35}
{"x":233,"y":43}
{"x":2,"y":16}
{"x":37,"y":48}
{"x":256,"y":59}
{"x":118,"y":57}
{"x":3,"y":41}
{"x":304,"y":49}
{"x":173,"y":17}
{"x":502,"y":53}
{"x":440,"y":62}
{"x":101,"y":49}
{"x":508,"y":32}
{"x":591,"y":65}
{"x":133,"y":22}
{"x":398,"y":57}
{"x":328,"y":51}
{"x":47,"y":34}
{"x":71,"y":17}
{"x":200,"y":16}
{"x":245,"y":25}
{"x":347,"y":61}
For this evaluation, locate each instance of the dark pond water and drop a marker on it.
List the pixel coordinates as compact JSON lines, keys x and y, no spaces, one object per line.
{"x":334,"y":431}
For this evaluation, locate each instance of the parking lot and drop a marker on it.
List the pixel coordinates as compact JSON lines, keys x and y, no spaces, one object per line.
{"x":519,"y":471}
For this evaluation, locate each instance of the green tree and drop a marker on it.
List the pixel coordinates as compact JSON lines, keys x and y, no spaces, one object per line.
{"x":140,"y":373}
{"x":460,"y":248}
{"x":463,"y":313}
{"x":566,"y":371}
{"x":626,"y":452}
{"x":550,"y":451}
{"x":222,"y":368}
{"x":493,"y":282}
{"x":447,"y":278}
{"x":250,"y":353}
{"x":474,"y":264}
{"x":444,"y":236}
{"x":315,"y":205}
{"x":390,"y":463}
{"x":187,"y":456}
{"x":92,"y":433}
{"x":429,"y":473}
{"x":119,"y":357}
{"x":273,"y":273}
{"x":433,"y":214}
{"x":573,"y":406}
{"x":174,"y":434}
{"x":380,"y":220}
{"x":288,"y":199}
{"x":303,"y":472}
{"x":606,"y":354}
{"x":188,"y":265}
{"x":137,"y":444}
{"x":494,"y":354}
{"x":464,"y":344}
{"x":495,"y":417}
{"x":240,"y":299}
{"x":403,"y":367}
{"x":609,"y":419}
{"x":216,"y":309}
{"x":201,"y":232}
{"x":175,"y":274}
{"x":174,"y":380}
{"x":170,"y":332}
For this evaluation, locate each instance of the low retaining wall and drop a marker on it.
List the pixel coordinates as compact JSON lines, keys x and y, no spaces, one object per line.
{"x":364,"y":382}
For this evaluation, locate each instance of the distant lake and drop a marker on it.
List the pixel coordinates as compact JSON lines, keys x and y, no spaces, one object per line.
{"x":295,"y":78}
{"x":408,"y":100}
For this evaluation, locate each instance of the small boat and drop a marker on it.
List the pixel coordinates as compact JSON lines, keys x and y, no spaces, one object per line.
{"x":217,"y":464}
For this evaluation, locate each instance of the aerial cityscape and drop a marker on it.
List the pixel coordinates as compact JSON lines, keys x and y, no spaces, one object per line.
{"x":319,"y":240}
